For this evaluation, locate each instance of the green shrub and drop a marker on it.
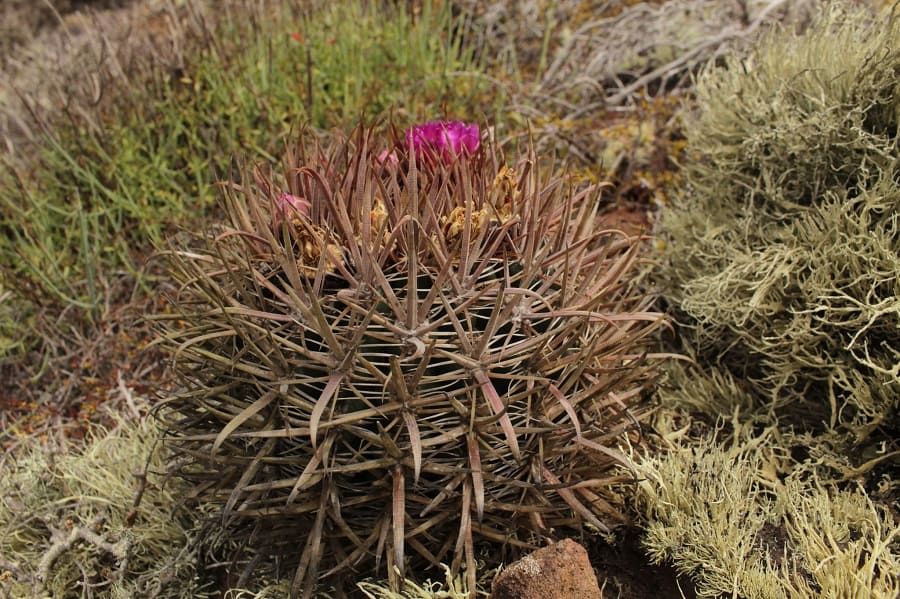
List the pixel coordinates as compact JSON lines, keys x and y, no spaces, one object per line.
{"x":782,"y":256}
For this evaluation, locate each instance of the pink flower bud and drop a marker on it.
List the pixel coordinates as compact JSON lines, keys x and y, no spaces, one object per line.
{"x":288,"y":206}
{"x":387,"y":157}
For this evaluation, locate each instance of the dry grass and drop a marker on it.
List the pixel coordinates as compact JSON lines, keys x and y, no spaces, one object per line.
{"x":87,"y":63}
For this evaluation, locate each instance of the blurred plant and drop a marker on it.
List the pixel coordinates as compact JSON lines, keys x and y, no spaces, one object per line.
{"x":439,"y":353}
{"x":571,"y":67}
{"x":641,"y":149}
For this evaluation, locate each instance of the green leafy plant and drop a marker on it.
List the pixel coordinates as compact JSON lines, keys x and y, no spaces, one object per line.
{"x":386,"y":361}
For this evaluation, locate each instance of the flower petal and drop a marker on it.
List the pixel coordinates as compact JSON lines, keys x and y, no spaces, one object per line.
{"x":286,"y":205}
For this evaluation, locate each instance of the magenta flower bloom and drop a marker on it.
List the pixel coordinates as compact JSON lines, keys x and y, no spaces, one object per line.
{"x":288,"y":206}
{"x":444,"y":138}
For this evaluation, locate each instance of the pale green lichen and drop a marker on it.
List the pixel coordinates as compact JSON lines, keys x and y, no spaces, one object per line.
{"x":741,"y":522}
{"x":451,"y":588}
{"x":781,"y":256}
{"x":69,"y":526}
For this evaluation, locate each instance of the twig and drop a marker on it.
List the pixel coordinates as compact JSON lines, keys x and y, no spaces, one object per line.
{"x":138,"y":495}
{"x":127,"y":396}
{"x":119,"y":549}
{"x":670,"y":67}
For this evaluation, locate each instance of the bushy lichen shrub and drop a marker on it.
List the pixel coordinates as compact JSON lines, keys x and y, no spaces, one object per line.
{"x":102,"y":522}
{"x":782,"y":258}
{"x":732,"y":518}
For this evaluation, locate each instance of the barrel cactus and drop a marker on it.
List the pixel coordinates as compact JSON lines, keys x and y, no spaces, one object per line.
{"x":390,"y":356}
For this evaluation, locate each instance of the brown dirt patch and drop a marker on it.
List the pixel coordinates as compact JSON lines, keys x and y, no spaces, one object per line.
{"x":625,"y":572}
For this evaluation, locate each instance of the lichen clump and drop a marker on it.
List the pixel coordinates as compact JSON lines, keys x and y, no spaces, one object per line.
{"x":101,"y":522}
{"x":781,"y":261}
{"x":729,"y":516}
{"x":782,"y":257}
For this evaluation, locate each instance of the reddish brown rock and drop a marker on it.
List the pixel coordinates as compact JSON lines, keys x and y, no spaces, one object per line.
{"x":559,"y":571}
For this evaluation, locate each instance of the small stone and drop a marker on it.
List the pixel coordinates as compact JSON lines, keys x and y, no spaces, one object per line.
{"x":558,"y":571}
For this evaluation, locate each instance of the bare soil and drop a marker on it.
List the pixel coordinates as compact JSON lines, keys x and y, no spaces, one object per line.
{"x":624,"y":572}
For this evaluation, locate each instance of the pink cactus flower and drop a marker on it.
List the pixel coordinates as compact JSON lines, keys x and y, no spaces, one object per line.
{"x":288,"y":206}
{"x":447,"y":139}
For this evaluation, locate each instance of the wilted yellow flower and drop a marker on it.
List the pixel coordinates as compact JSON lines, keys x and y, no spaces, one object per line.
{"x":505,"y":192}
{"x":455,"y":222}
{"x":311,"y":242}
